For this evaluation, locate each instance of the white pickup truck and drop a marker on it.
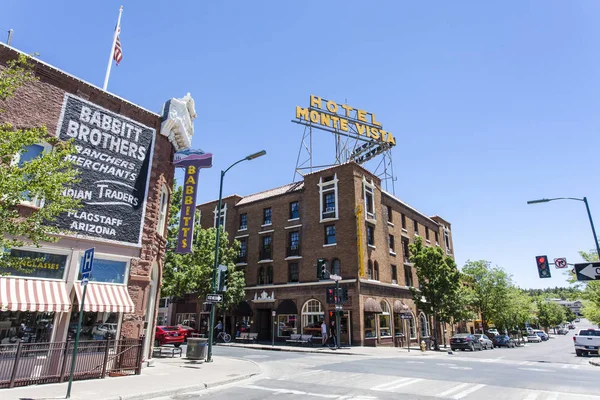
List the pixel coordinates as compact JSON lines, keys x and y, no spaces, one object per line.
{"x":587,"y":341}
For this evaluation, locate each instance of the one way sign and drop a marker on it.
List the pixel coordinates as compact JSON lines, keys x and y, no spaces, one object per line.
{"x":588,"y":271}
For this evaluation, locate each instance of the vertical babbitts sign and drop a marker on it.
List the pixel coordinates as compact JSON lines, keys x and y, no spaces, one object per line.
{"x":192,"y":161}
{"x":114,"y":155}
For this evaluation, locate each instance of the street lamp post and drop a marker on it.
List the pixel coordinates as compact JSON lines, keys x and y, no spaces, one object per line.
{"x":587,"y":207}
{"x":216,"y":265}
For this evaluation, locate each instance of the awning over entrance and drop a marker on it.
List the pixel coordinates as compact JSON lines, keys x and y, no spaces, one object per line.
{"x":400,"y":307}
{"x":287,"y":306}
{"x":372,"y":306}
{"x":242,"y":309}
{"x":19,"y":294}
{"x":105,"y":298}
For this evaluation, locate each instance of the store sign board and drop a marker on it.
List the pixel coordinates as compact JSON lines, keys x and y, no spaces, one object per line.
{"x":33,"y":264}
{"x":114,"y":155}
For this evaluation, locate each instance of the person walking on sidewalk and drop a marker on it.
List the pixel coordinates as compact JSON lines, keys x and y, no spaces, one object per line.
{"x":218,"y":330}
{"x":333,"y":333}
{"x":323,"y":332}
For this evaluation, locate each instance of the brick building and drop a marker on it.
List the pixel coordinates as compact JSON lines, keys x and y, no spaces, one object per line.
{"x":283,"y":231}
{"x":123,"y":150}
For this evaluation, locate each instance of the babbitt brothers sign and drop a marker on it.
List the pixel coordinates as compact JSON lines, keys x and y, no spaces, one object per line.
{"x":114,"y":155}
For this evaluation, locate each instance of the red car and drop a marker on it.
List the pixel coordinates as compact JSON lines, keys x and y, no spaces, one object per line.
{"x":169,"y":335}
{"x":187,"y":330}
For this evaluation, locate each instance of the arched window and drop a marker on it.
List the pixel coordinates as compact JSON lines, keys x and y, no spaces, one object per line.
{"x":261,"y":275}
{"x":269,"y":279}
{"x":424,"y":324}
{"x":370,"y":270}
{"x":412,"y":326}
{"x":336,"y":267}
{"x":384,"y":319}
{"x":376,"y":271}
{"x":163,"y":210}
{"x":312,"y":316}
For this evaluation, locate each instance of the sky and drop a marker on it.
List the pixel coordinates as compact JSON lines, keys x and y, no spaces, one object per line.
{"x":491,"y":105}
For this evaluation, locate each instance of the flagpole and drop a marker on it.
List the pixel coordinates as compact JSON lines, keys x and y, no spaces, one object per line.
{"x":112,"y":49}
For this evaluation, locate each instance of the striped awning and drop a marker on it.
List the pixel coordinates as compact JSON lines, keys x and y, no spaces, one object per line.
{"x":21,"y":294}
{"x":101,"y":297}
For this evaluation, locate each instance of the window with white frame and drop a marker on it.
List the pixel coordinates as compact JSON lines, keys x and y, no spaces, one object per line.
{"x":328,"y":189}
{"x":30,"y":153}
{"x":222,"y":217}
{"x":447,"y":239}
{"x":369,"y":196}
{"x":312,"y":316}
{"x":243,"y":222}
{"x":370,"y":235}
{"x":385,"y":320}
{"x":412,"y":327}
{"x":267,"y":212}
{"x":376,"y":271}
{"x":424,"y":325}
{"x":163,"y":209}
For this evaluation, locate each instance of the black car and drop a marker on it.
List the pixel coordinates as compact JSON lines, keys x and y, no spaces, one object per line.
{"x":465,"y":341}
{"x":503,"y":341}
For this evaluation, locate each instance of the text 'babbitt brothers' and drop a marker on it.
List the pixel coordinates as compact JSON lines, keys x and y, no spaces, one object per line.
{"x":331,"y":118}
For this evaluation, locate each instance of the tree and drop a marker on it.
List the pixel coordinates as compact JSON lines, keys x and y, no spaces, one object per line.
{"x":44,"y":177}
{"x":514,"y":310}
{"x":569,"y":314}
{"x":591,"y":292}
{"x":487,"y":288}
{"x":193,"y":273}
{"x":439,"y":281}
{"x":549,"y":313}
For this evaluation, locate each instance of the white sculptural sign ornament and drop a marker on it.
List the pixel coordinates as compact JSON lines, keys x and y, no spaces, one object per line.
{"x":178,"y":121}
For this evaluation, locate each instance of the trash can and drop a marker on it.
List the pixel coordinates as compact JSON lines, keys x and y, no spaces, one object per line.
{"x":196,"y":348}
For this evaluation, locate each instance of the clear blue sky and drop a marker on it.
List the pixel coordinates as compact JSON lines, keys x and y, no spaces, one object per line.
{"x":491,"y":104}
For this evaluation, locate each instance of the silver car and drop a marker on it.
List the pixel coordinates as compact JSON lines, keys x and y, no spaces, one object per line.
{"x":485,"y":341}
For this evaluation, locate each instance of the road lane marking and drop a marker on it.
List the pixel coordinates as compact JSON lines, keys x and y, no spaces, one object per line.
{"x":467,"y":391}
{"x":316,"y":371}
{"x":536,"y":369}
{"x":453,"y":389}
{"x":445,"y":364}
{"x":384,"y":386}
{"x":461,"y":368}
{"x":415,"y":362}
{"x":291,"y":391}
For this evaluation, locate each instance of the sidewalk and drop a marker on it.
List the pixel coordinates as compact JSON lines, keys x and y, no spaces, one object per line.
{"x":167,"y":377}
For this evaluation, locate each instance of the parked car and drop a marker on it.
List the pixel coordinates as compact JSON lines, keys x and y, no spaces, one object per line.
{"x":485,"y":341}
{"x":533,"y":338}
{"x":187,"y":330}
{"x":168,"y":335}
{"x":493,"y":331}
{"x":562,"y":331}
{"x":571,"y":326}
{"x":577,"y":320}
{"x":586,"y":341}
{"x":503,"y":341}
{"x":543,"y":335}
{"x":465,"y":341}
{"x":104,"y":330}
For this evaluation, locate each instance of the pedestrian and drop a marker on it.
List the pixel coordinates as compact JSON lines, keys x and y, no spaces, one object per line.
{"x":219,"y":328}
{"x":323,"y":332}
{"x":333,"y":333}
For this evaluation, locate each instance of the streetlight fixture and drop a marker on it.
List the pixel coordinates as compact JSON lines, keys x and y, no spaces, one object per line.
{"x":587,"y":207}
{"x":214,"y":277}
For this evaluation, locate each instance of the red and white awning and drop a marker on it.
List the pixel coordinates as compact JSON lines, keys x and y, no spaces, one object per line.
{"x":100,"y":297}
{"x":21,"y":294}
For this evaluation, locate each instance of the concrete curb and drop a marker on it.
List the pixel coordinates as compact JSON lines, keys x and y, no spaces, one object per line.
{"x":296,"y":350}
{"x":595,"y":363}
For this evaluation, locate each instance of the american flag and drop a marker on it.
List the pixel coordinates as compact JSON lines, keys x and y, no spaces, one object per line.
{"x":118,"y":54}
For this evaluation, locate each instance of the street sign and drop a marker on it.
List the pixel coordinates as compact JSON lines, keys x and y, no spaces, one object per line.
{"x":560,"y":263}
{"x":214,"y":298}
{"x":587,"y":271}
{"x":86,"y":266}
{"x":405,"y":316}
{"x":334,"y":277}
{"x":339,"y":307}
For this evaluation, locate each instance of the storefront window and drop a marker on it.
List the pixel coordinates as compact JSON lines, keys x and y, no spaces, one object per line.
{"x":370,"y":331}
{"x":36,"y":264}
{"x":384,"y":320}
{"x":109,"y":271}
{"x":286,"y":325}
{"x":312,"y":317}
{"x":398,"y":325}
{"x":94,"y":325}
{"x":29,"y":327}
{"x":187,"y":319}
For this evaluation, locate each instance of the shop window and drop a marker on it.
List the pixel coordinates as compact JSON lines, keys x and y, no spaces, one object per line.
{"x":328,"y":197}
{"x":163,"y":210}
{"x":376,"y":271}
{"x":312,"y":317}
{"x":330,"y":234}
{"x":30,"y":327}
{"x":243,"y":222}
{"x":293,"y":275}
{"x":370,"y":331}
{"x":35,"y":264}
{"x":294,"y":210}
{"x":186,"y":319}
{"x":424,"y":325}
{"x":385,"y":320}
{"x":398,"y":325}
{"x":286,"y":325}
{"x":94,"y":325}
{"x":103,"y":270}
{"x":336,"y":267}
{"x":222,"y":216}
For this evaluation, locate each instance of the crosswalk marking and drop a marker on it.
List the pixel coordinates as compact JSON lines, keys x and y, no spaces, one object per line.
{"x":467,"y":391}
{"x":408,"y":382}
{"x":384,"y":386}
{"x":316,"y":371}
{"x":453,"y":389}
{"x":532,"y":396}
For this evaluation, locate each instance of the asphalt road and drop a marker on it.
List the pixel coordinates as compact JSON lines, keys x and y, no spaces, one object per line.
{"x":538,"y":371}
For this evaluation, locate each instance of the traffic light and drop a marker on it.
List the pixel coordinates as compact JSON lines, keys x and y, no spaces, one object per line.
{"x":322,"y":269}
{"x":223,"y":279}
{"x":543,"y":267}
{"x":330,"y":296}
{"x":344,"y":294}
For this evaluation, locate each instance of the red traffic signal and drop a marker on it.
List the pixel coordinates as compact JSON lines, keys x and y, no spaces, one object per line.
{"x":543,"y":267}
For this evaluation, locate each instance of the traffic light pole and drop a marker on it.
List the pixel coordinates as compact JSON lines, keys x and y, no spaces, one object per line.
{"x":587,"y":207}
{"x":337,"y":312}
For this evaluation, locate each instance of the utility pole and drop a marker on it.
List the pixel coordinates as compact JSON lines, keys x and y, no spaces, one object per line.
{"x":10,"y":33}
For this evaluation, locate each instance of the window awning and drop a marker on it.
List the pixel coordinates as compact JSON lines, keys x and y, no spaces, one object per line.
{"x":400,"y":307}
{"x":372,"y":306}
{"x":105,"y":298}
{"x":19,"y":294}
{"x":287,"y":306}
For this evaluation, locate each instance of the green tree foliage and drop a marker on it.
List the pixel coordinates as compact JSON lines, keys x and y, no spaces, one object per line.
{"x":192,"y":273}
{"x":514,"y":310}
{"x":563,"y":293}
{"x":439,"y":282}
{"x":569,"y":314}
{"x":45,"y":177}
{"x":487,"y":289}
{"x":549,"y":313}
{"x":591,"y":292}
